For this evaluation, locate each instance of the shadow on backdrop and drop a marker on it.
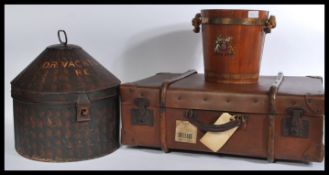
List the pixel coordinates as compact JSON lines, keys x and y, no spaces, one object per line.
{"x":168,"y":49}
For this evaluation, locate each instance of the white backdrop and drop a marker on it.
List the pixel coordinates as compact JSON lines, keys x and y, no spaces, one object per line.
{"x":136,"y":41}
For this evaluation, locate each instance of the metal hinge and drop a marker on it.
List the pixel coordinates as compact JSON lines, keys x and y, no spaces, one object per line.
{"x":294,"y":125}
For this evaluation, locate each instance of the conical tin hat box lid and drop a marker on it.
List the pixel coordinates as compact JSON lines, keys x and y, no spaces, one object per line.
{"x":64,"y":68}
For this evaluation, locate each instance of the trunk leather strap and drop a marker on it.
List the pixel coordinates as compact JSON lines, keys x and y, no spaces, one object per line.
{"x":271,"y":129}
{"x":163,"y":93}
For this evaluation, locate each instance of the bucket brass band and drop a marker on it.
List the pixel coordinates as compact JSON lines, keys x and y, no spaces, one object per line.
{"x":268,"y":24}
{"x":244,"y":21}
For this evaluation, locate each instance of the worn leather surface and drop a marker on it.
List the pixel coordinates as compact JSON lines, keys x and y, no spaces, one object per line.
{"x":211,"y":99}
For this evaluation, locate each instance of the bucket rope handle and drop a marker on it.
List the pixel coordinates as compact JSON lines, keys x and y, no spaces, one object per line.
{"x":269,"y":24}
{"x":196,"y":22}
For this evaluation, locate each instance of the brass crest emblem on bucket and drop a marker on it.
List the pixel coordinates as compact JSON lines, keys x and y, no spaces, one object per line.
{"x":223,"y":45}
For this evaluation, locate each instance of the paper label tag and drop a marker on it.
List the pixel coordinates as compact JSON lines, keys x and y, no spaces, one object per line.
{"x":216,"y":140}
{"x":253,"y":14}
{"x":185,"y":132}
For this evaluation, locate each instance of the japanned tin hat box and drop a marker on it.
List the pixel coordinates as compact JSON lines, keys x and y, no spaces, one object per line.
{"x":65,"y":106}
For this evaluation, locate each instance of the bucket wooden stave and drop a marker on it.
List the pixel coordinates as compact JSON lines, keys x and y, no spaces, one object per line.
{"x":233,"y":43}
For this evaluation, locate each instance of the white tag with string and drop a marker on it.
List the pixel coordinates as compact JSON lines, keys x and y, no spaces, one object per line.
{"x":216,"y":140}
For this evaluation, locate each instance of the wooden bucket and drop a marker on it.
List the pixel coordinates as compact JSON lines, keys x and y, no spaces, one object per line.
{"x":233,"y":43}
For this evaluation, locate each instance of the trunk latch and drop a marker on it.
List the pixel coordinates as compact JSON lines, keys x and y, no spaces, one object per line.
{"x":294,"y":125}
{"x":83,"y":108}
{"x":141,"y":115}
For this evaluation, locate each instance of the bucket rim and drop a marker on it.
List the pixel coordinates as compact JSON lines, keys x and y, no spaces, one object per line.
{"x":203,"y":10}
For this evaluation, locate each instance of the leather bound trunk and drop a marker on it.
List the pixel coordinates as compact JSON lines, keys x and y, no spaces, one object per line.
{"x":282,"y":115}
